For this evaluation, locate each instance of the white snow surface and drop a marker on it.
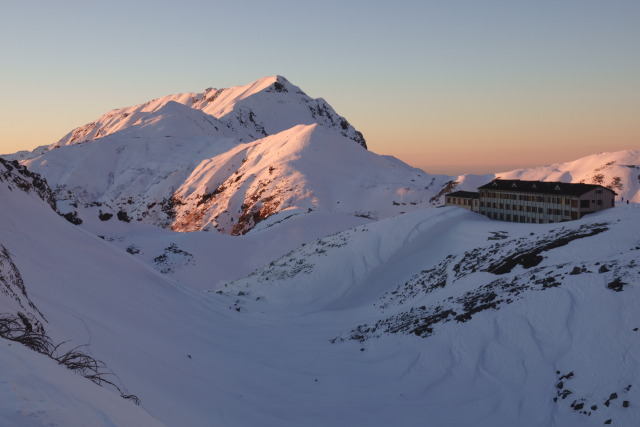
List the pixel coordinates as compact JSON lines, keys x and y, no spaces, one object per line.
{"x":294,"y":343}
{"x":327,"y":307}
{"x":36,"y":391}
{"x":265,"y":107}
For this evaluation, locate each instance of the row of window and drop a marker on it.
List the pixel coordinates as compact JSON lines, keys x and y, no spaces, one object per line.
{"x":517,"y":218}
{"x":584,"y":204}
{"x":533,"y":209}
{"x":521,"y":208}
{"x":460,"y":201}
{"x":525,"y":197}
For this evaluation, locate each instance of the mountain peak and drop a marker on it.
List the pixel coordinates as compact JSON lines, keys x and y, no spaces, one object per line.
{"x":265,"y":107}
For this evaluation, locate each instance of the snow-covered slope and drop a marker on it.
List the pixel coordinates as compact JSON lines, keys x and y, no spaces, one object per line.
{"x":180,"y":168}
{"x":440,"y":315}
{"x":618,"y":170}
{"x":473,"y":321}
{"x":35,"y":389}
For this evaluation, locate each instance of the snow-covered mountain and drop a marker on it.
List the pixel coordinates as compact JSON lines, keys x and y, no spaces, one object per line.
{"x":439,"y":315}
{"x":619,"y":170}
{"x":190,"y":162}
{"x":326,"y":306}
{"x":229,"y":159}
{"x":264,"y":107}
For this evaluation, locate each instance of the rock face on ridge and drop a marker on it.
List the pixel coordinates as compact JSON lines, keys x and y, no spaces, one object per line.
{"x":16,"y":176}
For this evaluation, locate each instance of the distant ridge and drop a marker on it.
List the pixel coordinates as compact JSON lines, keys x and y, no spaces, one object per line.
{"x":618,"y":170}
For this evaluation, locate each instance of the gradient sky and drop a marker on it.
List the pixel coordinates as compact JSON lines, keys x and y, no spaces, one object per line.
{"x":449,"y":86}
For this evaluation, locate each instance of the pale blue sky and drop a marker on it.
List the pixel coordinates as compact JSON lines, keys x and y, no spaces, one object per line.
{"x":449,"y":86}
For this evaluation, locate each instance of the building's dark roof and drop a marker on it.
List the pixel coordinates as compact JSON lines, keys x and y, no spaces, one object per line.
{"x":465,"y":194}
{"x":541,"y":187}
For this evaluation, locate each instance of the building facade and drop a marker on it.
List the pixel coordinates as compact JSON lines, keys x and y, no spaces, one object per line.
{"x":534,"y":201}
{"x":465,"y":199}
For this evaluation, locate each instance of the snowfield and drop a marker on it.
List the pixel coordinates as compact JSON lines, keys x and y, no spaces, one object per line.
{"x":288,"y":345}
{"x":231,"y":264}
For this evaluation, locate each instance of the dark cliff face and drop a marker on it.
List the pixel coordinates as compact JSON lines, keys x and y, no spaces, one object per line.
{"x":18,"y":176}
{"x":12,"y":286}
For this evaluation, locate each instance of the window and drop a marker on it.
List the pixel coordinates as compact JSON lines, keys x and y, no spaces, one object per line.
{"x":584,"y":203}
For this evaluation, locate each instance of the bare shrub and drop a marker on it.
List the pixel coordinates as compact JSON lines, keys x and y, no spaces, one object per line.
{"x":18,"y":329}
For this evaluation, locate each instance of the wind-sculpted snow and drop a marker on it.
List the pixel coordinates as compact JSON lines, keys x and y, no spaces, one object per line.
{"x":498,"y":259}
{"x":548,"y":299}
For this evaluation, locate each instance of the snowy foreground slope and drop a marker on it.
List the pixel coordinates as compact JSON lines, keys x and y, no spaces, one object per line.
{"x":439,"y":317}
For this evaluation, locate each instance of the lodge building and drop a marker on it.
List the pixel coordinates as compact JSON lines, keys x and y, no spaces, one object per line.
{"x":533,"y":201}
